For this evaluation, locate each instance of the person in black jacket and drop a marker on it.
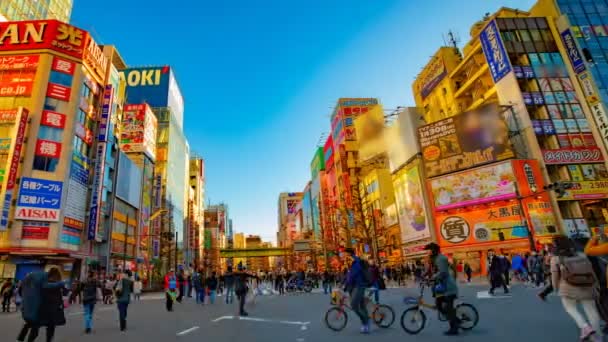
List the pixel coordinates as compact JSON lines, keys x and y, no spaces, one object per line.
{"x":51,"y":308}
{"x":90,"y":289}
{"x":241,"y":288}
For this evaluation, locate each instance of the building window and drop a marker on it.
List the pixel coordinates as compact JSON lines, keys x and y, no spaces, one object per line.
{"x":50,"y":133}
{"x":60,"y":78}
{"x":45,"y":164}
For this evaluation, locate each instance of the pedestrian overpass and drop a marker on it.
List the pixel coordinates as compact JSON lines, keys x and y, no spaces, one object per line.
{"x":254,"y":252}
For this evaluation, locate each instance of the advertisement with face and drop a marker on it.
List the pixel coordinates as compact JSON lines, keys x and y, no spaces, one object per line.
{"x":477,"y":186}
{"x":481,"y":225}
{"x":370,"y":133}
{"x":411,"y":208}
{"x":470,"y":139}
{"x":400,"y":138}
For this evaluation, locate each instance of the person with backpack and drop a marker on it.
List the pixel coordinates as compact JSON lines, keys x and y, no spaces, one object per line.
{"x":445,"y":289}
{"x":359,"y":278}
{"x":572,"y":275}
{"x":90,"y":290}
{"x":123,"y":290}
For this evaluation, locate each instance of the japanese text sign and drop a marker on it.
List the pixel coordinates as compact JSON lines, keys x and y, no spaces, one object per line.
{"x":42,"y":34}
{"x":19,"y":62}
{"x":576,"y":60}
{"x":40,"y":193}
{"x":63,"y":66}
{"x":52,"y":119}
{"x":495,"y":52}
{"x":589,"y":154}
{"x":47,"y":148}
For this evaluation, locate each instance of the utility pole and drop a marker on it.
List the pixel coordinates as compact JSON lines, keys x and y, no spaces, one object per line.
{"x":124,"y":255}
{"x":175,"y":251}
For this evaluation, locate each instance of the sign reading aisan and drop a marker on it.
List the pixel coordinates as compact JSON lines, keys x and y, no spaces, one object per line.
{"x":39,"y":199}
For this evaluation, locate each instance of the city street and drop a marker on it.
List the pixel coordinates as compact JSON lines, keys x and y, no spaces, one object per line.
{"x":299,"y":318}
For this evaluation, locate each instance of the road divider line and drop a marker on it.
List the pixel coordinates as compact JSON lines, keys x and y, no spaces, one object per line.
{"x":253,"y":319}
{"x":222,"y":318}
{"x":187,"y":331}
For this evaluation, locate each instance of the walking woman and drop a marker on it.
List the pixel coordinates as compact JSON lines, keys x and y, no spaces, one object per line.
{"x":568,"y":270}
{"x":90,"y":290}
{"x":51,"y":308}
{"x":124,"y":288}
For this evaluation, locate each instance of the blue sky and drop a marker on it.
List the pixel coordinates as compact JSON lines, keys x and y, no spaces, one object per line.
{"x":260,"y":77}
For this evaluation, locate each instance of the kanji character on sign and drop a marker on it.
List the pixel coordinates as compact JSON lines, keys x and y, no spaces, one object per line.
{"x":492,"y":214}
{"x":504,"y":212}
{"x":63,"y":66}
{"x":24,"y":199}
{"x":35,"y":185}
{"x":515,"y":210}
{"x":26,"y":185}
{"x":48,"y":149}
{"x":53,"y":119}
{"x":70,"y":33}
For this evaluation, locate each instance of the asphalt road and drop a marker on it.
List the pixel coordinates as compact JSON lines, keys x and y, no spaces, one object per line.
{"x":299,"y":318}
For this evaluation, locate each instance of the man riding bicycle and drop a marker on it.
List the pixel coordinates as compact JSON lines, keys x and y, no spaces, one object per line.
{"x":445,"y":289}
{"x":356,"y":283}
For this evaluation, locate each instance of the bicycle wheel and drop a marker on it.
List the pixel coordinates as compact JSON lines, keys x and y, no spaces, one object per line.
{"x":336,"y":319}
{"x":383,"y":315}
{"x":468,"y":316}
{"x":413,"y":320}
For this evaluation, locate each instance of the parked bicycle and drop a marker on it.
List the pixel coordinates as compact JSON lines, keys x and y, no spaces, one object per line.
{"x":336,"y":317}
{"x":413,"y":318}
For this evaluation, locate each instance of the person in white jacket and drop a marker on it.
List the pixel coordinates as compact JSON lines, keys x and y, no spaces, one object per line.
{"x":137,"y":288}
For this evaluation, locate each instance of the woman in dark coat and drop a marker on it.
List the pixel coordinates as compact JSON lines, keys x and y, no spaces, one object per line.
{"x":51,"y":306}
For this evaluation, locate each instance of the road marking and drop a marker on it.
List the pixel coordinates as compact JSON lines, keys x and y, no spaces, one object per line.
{"x":253,"y":319}
{"x":487,"y":295}
{"x":187,"y":331}
{"x":294,"y":323}
{"x":299,"y":339}
{"x":222,"y":318}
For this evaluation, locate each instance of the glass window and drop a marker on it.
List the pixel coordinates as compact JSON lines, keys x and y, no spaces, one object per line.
{"x":576,"y":8}
{"x":524,"y":35}
{"x":536,"y":36}
{"x":589,"y":8}
{"x":60,"y":78}
{"x":50,"y":133}
{"x":45,"y":164}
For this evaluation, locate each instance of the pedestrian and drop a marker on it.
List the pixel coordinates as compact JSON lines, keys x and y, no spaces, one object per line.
{"x":241,"y":288}
{"x":123,"y":290}
{"x":6,"y":291}
{"x":51,"y":306}
{"x":32,"y":291}
{"x":212,"y":284}
{"x":229,"y":280}
{"x":75,"y":293}
{"x":181,"y":279}
{"x":171,"y":285}
{"x":138,"y":287}
{"x":190,"y":285}
{"x":197,"y":282}
{"x":359,"y":278}
{"x":281,"y":283}
{"x":572,"y":275}
{"x":108,"y":289}
{"x":326,"y":282}
{"x":506,"y":268}
{"x":375,"y":280}
{"x":18,"y":296}
{"x":468,"y":271}
{"x":496,"y":274}
{"x":90,"y":290}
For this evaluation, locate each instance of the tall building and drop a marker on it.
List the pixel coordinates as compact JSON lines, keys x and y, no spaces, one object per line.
{"x":158,"y":88}
{"x":14,"y":10}
{"x":239,"y":243}
{"x":515,"y":119}
{"x":256,"y":264}
{"x":52,"y":93}
{"x":216,"y":221}
{"x":193,"y":254}
{"x":288,"y":201}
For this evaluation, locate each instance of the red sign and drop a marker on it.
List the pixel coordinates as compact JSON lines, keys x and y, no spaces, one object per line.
{"x":529,"y":177}
{"x":35,"y":231}
{"x":20,"y":62}
{"x":8,"y":89}
{"x":47,"y":148}
{"x":8,"y":116}
{"x":42,"y":34}
{"x":84,"y":133}
{"x":73,"y":223}
{"x":58,"y":92}
{"x":52,"y":119}
{"x":12,"y":173}
{"x":573,"y":155}
{"x":63,"y":66}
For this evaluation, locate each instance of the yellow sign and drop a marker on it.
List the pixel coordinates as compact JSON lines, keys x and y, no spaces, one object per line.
{"x":586,"y":190}
{"x":591,"y":94}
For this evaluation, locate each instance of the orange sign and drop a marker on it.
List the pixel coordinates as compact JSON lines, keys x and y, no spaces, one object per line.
{"x":494,"y":223}
{"x":529,"y":177}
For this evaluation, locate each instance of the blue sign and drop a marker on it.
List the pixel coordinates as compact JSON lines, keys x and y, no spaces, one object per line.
{"x":39,"y":193}
{"x":106,"y":109}
{"x":495,"y":52}
{"x":576,"y":60}
{"x":79,"y":169}
{"x":148,"y":85}
{"x":96,"y":195}
{"x":348,"y":121}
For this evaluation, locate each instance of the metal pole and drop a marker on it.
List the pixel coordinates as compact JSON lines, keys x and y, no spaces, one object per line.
{"x":176,"y":251}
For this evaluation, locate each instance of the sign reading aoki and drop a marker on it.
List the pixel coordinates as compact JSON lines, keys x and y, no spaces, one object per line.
{"x":573,"y":155}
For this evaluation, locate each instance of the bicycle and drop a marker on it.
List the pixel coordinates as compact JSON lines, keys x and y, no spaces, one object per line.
{"x":466,"y":313}
{"x":382,"y":314}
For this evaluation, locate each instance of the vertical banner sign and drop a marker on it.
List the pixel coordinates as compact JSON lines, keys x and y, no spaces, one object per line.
{"x":12,"y":173}
{"x":573,"y":53}
{"x":104,"y":122}
{"x":495,"y":52}
{"x":97,"y":188}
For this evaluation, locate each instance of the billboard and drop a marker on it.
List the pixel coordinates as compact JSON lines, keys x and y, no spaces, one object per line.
{"x":42,"y":34}
{"x":586,"y":190}
{"x":39,"y":199}
{"x":575,"y":57}
{"x":574,"y":155}
{"x":400,"y":138}
{"x":431,"y":76}
{"x":495,"y":52}
{"x":35,"y":230}
{"x":328,"y":153}
{"x":481,"y":185}
{"x":370,"y":133}
{"x":93,"y":227}
{"x":74,"y":214}
{"x":470,"y":139}
{"x":129,"y":184}
{"x":318,"y":163}
{"x":411,"y":208}
{"x":13,"y":167}
{"x":138,"y":133}
{"x":19,"y":73}
{"x":481,"y":225}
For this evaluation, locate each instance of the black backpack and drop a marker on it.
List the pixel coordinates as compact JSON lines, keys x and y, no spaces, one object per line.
{"x":366,"y":274}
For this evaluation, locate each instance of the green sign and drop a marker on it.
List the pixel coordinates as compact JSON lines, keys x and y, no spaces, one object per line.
{"x":318,"y":163}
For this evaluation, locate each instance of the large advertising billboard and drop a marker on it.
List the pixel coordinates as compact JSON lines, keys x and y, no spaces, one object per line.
{"x":129,"y":184}
{"x":481,"y":185}
{"x":318,"y":163}
{"x":400,"y":138}
{"x":411,"y":208}
{"x":138,"y":133}
{"x":431,"y":76}
{"x":369,"y":129}
{"x":470,"y":139}
{"x":18,"y":74}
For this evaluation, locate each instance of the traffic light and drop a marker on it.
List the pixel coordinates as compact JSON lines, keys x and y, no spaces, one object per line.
{"x":559,"y":188}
